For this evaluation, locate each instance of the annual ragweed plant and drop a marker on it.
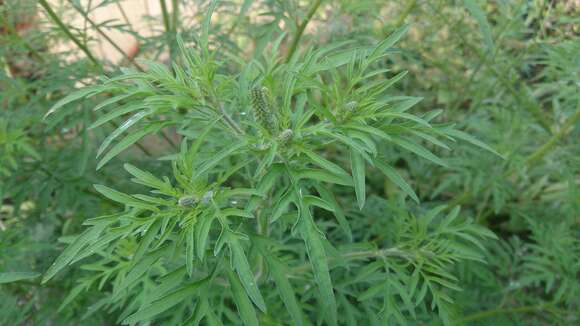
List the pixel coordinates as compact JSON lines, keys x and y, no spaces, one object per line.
{"x":247,"y":227}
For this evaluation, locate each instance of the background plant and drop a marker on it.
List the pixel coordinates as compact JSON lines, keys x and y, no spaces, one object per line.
{"x":299,"y":171}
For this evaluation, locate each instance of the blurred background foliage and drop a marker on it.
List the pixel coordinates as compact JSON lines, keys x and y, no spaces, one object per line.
{"x":507,"y":72}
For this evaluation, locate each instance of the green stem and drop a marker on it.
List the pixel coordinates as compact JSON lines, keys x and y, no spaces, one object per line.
{"x":174,"y":22}
{"x":458,"y":200}
{"x":220,"y":109}
{"x":170,"y":24}
{"x":104,"y":35}
{"x":165,"y":15}
{"x":168,"y":140}
{"x":483,"y":62}
{"x":67,"y":32}
{"x":405,"y":13}
{"x":301,"y":29}
{"x":125,"y":17}
{"x":542,"y":151}
{"x":501,"y":311}
{"x":380,"y":253}
{"x":83,"y":48}
{"x":131,"y":60}
{"x":229,"y":121}
{"x":175,"y":16}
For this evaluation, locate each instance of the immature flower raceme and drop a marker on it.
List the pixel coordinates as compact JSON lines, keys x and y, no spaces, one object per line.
{"x":262,"y":110}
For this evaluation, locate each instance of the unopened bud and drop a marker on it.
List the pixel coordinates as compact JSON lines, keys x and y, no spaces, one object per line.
{"x":207,"y":197}
{"x":351,"y":106}
{"x":285,"y":136}
{"x":187,"y":201}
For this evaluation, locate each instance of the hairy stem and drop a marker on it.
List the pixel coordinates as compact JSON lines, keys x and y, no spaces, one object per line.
{"x":301,"y":29}
{"x":229,"y":121}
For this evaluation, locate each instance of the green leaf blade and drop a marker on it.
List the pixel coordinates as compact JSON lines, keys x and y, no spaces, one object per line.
{"x":396,"y":178}
{"x":244,"y":271}
{"x":419,"y":150}
{"x":285,"y":289}
{"x":243,"y":303}
{"x":9,"y":277}
{"x":358,"y":174}
{"x":319,"y":263}
{"x":159,"y":306}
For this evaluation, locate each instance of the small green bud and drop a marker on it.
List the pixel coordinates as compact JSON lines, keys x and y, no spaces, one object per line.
{"x":348,"y":110}
{"x":351,"y":106}
{"x":207,"y":197}
{"x":187,"y":201}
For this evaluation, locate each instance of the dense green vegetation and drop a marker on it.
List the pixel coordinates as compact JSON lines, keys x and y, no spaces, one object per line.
{"x":291,"y":163}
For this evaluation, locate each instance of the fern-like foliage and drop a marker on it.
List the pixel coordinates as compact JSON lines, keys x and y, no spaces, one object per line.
{"x":223,"y":227}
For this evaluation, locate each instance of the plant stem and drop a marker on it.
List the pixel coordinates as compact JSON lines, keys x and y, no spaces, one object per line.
{"x":124,"y":14}
{"x":301,"y":29}
{"x":131,"y":60}
{"x":165,"y":15}
{"x":214,"y":99}
{"x":173,"y":29}
{"x":67,"y":32}
{"x":538,"y":154}
{"x":175,"y":15}
{"x":87,"y":52}
{"x":170,"y":24}
{"x":483,"y":62}
{"x":405,"y":13}
{"x":104,"y":35}
{"x":229,"y":121}
{"x":380,"y":253}
{"x":168,"y":139}
{"x":458,"y":200}
{"x":500,"y":311}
